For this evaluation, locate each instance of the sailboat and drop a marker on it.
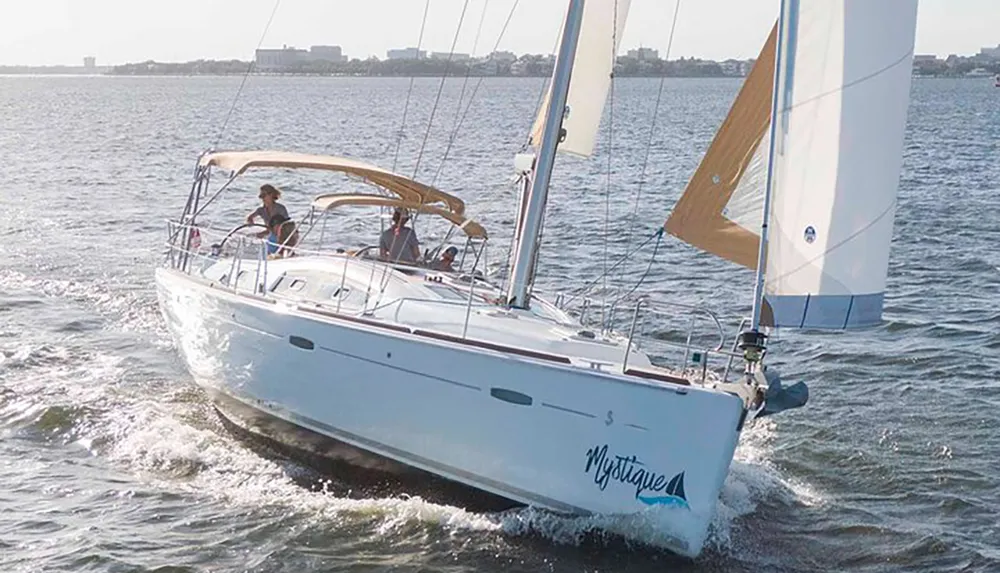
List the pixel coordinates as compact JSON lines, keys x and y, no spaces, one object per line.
{"x":404,"y":367}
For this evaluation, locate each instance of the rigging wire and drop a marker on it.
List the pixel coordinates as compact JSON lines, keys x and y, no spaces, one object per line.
{"x":649,"y":142}
{"x":409,"y":90}
{"x":586,"y":288}
{"x":461,"y":94}
{"x":611,"y":142}
{"x":459,"y":116}
{"x":246,"y":75}
{"x":472,"y":97}
{"x":437,"y":98}
{"x":384,"y":280}
{"x":395,"y":159}
{"x":475,"y":89}
{"x":649,"y":267}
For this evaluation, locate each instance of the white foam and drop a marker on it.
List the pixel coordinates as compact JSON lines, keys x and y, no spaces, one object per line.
{"x":159,"y":448}
{"x":152,"y":440}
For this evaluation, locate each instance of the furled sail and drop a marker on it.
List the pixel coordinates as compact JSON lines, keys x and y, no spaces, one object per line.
{"x":842,"y":103}
{"x":721,"y":208}
{"x":600,"y":35}
{"x":844,"y":82}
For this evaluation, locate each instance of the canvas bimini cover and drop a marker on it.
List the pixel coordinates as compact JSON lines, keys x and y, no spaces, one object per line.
{"x":843,"y":91}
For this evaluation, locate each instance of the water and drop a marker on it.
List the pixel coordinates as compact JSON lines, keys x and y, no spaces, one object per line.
{"x":111,"y":459}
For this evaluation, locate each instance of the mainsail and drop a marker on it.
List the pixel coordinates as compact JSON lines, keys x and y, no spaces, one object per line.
{"x":600,"y":34}
{"x":844,"y":83}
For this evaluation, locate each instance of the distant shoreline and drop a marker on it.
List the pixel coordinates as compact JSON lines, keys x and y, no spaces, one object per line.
{"x":41,"y":73}
{"x":187,"y":70}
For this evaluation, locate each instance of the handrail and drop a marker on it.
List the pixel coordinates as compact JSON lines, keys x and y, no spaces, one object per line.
{"x":642,"y":307}
{"x":657,"y":309}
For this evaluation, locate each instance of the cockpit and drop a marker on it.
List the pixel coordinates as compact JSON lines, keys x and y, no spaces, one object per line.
{"x":409,"y":224}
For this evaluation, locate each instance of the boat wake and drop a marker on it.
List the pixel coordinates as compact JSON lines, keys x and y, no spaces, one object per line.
{"x":166,"y":437}
{"x":176,"y":444}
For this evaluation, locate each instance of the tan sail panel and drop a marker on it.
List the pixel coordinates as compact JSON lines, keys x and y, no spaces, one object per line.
{"x":698,"y":218}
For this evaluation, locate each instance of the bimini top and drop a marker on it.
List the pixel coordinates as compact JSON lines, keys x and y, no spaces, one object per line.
{"x":405,"y":188}
{"x":334,"y":200}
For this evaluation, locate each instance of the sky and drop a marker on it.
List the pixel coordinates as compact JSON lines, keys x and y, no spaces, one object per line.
{"x":62,"y":32}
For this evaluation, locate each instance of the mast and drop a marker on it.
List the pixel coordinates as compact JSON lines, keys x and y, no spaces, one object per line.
{"x":758,"y":290}
{"x":527,"y":244}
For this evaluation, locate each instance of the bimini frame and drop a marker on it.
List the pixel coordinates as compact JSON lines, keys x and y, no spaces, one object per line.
{"x":409,"y":194}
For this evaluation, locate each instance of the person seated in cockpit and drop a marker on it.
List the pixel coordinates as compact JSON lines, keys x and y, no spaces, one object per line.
{"x":399,"y":244}
{"x":282,"y":237}
{"x":444,"y":262}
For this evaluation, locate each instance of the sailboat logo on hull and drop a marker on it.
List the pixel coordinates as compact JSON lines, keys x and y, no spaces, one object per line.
{"x":651,"y":488}
{"x":673,"y":495}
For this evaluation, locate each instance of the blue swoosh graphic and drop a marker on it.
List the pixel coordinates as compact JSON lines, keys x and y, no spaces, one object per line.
{"x":664,"y":500}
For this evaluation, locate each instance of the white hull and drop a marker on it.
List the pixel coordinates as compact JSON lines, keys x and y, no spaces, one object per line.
{"x":544,"y":433}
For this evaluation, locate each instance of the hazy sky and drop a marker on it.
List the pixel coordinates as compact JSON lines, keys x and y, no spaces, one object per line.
{"x":43,"y":32}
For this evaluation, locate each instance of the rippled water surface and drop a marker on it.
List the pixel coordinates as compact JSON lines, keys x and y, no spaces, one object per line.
{"x":112,"y":460}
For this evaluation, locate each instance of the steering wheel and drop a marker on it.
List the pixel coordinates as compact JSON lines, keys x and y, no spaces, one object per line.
{"x":233,"y":232}
{"x":364,"y":251}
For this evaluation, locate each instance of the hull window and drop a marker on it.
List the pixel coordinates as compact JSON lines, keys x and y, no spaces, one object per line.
{"x":511,"y":396}
{"x":303,"y":343}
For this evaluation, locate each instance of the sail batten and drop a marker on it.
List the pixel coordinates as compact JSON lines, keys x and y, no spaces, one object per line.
{"x":600,"y":35}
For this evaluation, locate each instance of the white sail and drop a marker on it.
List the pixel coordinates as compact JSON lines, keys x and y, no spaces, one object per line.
{"x":746,"y":205}
{"x":600,"y":35}
{"x":843,"y":91}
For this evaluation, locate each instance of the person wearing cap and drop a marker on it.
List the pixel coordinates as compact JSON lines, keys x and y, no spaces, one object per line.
{"x":269,"y":195}
{"x":399,"y":243}
{"x":447,"y":258}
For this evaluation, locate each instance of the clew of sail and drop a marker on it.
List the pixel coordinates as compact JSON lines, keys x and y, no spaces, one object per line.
{"x":600,"y":35}
{"x":844,"y":83}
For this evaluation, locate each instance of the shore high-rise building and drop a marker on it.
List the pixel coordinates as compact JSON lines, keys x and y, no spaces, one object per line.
{"x":406,"y":54}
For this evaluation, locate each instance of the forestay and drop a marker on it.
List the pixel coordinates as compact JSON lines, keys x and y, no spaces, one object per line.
{"x":844,"y":83}
{"x":600,"y":36}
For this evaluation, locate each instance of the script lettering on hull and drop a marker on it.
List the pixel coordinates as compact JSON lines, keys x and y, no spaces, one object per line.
{"x":651,"y":488}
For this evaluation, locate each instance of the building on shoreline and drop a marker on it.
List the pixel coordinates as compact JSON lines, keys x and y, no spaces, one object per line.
{"x":330,"y":60}
{"x":406,"y":54}
{"x":276,"y":59}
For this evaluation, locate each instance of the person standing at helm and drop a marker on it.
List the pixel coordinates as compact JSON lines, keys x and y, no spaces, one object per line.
{"x":399,"y":243}
{"x":269,"y":195}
